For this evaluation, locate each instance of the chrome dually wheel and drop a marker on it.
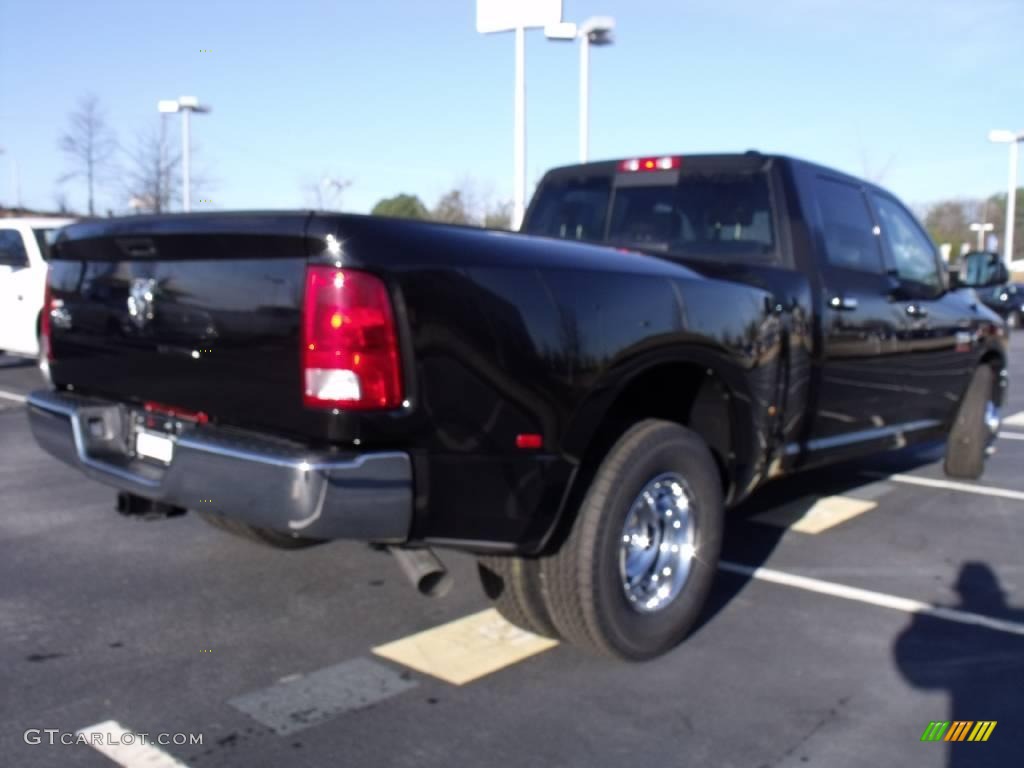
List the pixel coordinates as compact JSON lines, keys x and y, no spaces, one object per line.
{"x":658,"y":543}
{"x":632,"y":574}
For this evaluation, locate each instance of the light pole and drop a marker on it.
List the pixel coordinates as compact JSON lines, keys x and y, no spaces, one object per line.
{"x":186,"y":105}
{"x":594,"y":31}
{"x":504,"y":16}
{"x":1013,"y":139}
{"x":981,"y":229}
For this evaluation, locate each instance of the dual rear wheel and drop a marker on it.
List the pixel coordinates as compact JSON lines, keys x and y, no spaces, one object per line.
{"x":634,"y":571}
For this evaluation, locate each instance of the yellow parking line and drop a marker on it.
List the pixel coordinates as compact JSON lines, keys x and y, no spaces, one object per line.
{"x":813,"y":516}
{"x":465,"y":649}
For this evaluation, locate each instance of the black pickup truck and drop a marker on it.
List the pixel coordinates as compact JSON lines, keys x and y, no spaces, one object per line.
{"x":576,"y":404}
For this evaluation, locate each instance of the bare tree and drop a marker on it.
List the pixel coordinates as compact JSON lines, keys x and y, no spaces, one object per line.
{"x":89,"y":144}
{"x":60,"y":199}
{"x":326,"y":194}
{"x":499,"y":215}
{"x":453,"y":208}
{"x":152,"y":181}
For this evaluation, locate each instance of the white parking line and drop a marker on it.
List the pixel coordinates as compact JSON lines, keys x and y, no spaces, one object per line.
{"x":952,"y":485}
{"x":109,"y":740}
{"x":880,"y":599}
{"x":1011,"y":435}
{"x":13,"y":396}
{"x":1017,"y":420}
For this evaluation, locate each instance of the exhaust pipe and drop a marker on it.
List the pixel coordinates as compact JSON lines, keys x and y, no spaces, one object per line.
{"x":424,"y":570}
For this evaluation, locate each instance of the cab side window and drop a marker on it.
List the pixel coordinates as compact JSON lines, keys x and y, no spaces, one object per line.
{"x":912,"y":251}
{"x":850,"y":241}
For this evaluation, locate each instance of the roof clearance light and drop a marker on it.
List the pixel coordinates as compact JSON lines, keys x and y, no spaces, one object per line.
{"x":667,"y":163}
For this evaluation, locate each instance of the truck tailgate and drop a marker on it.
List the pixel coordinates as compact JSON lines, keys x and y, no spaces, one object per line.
{"x":200,"y":312}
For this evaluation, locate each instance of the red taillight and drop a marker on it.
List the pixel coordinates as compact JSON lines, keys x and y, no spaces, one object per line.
{"x":349,"y":343}
{"x":46,"y":347}
{"x":651,"y":164}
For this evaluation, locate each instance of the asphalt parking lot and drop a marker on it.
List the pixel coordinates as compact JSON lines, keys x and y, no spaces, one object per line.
{"x":855,"y":607}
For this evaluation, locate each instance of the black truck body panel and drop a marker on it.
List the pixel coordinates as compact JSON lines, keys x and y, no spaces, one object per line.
{"x":503,"y":335}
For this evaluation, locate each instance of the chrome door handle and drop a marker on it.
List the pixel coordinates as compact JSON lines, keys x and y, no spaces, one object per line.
{"x":916,"y":310}
{"x":843,"y":302}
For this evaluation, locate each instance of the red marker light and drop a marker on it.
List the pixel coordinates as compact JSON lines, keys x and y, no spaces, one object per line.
{"x":160,"y":409}
{"x":666,"y":163}
{"x":529,"y":441}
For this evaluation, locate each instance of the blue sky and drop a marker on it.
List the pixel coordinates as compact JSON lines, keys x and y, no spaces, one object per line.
{"x":405,"y":96}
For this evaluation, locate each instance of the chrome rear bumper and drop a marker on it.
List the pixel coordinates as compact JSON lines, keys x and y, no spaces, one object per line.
{"x":261,"y":481}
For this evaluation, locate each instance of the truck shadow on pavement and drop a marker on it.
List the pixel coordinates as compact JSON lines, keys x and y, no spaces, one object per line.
{"x":752,"y":544}
{"x":981,"y":668}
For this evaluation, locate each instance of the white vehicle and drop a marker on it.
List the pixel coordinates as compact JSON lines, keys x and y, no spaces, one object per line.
{"x":23,"y":246}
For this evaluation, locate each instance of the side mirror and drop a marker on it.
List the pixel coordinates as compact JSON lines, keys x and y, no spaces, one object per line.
{"x":982,"y":269}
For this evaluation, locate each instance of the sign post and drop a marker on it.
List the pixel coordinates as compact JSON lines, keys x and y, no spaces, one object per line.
{"x":518,"y":16}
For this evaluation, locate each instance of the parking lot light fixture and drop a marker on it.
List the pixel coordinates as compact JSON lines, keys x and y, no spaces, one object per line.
{"x":186,"y":105}
{"x":1013,"y":139}
{"x":981,"y":229}
{"x":596,"y":30}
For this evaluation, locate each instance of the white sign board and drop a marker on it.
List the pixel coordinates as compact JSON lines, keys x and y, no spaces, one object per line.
{"x":506,"y":15}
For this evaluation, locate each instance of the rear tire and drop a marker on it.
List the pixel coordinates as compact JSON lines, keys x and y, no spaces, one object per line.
{"x":264,"y":536}
{"x":970,"y":436}
{"x":514,"y":586}
{"x":604,"y":586}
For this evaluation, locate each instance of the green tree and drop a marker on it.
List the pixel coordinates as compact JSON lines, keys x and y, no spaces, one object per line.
{"x":996,"y":213}
{"x":402,"y":207}
{"x":948,"y":221}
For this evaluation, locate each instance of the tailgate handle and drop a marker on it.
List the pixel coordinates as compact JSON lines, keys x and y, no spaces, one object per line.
{"x":137,"y":248}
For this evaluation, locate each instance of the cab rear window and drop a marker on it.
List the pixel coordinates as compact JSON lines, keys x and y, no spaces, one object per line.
{"x":723,"y":216}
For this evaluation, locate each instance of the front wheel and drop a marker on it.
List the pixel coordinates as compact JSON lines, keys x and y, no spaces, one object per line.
{"x":632,"y":576}
{"x":976,"y":427}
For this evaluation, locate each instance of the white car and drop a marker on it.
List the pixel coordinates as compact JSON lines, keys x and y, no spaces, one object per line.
{"x":23,"y":247}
